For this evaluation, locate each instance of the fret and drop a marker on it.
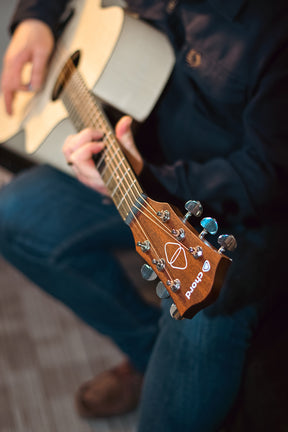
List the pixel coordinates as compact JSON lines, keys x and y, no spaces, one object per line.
{"x":102,"y":165}
{"x":127,"y":191}
{"x":74,"y":115}
{"x":120,"y":182}
{"x":112,"y":165}
{"x":114,"y":173}
{"x":126,"y":205}
{"x":108,"y":135}
{"x":99,"y":160}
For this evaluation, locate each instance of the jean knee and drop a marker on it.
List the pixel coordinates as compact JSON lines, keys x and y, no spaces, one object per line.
{"x":10,"y":215}
{"x":209,"y":334}
{"x":18,"y":209}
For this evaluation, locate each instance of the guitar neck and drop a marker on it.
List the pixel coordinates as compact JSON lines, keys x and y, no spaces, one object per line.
{"x":116,"y":172}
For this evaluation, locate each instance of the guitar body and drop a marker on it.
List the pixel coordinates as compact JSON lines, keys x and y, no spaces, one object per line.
{"x":124,"y":61}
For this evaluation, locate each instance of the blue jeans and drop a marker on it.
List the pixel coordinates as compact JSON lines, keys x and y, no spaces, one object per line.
{"x":62,"y":236}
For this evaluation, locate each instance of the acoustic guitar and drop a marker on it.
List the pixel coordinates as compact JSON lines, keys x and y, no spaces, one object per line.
{"x":125,"y":62}
{"x":190,"y":270}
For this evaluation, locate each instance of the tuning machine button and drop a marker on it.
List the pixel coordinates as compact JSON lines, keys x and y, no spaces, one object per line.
{"x":174,"y":312}
{"x":179,"y":234}
{"x":148,"y":273}
{"x":175,"y":284}
{"x":160,"y":263}
{"x":161,"y":291}
{"x":197,"y":252}
{"x":145,"y":246}
{"x":209,"y":225}
{"x":164,"y":215}
{"x":227,"y":242}
{"x":193,"y":208}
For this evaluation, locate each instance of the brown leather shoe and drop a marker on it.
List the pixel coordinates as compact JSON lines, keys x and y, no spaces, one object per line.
{"x":113,"y":392}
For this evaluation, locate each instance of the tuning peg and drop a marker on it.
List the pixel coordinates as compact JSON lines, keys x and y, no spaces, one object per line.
{"x":145,"y":246}
{"x":164,"y":215}
{"x":174,"y":312}
{"x":160,"y":263}
{"x":148,"y":273}
{"x":175,"y":285}
{"x":161,"y":291}
{"x":179,"y":234}
{"x":197,"y":252}
{"x":209,"y":225}
{"x":193,"y":208}
{"x":227,"y":242}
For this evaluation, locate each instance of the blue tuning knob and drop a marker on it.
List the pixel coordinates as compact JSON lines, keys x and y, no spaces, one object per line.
{"x":209,"y":225}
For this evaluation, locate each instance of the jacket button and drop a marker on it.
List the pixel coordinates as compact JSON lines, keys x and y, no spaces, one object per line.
{"x":193,"y":58}
{"x":171,"y":6}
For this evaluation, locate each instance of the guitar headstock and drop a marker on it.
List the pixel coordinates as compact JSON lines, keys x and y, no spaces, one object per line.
{"x":191,"y":270}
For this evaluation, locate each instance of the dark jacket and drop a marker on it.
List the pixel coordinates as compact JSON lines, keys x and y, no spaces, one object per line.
{"x":219,"y":132}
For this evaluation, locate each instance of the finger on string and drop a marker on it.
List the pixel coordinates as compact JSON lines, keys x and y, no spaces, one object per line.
{"x":83,"y":155}
{"x":73,"y":142}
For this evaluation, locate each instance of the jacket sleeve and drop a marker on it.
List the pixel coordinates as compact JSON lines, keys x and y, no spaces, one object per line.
{"x":250,"y":183}
{"x":49,"y":12}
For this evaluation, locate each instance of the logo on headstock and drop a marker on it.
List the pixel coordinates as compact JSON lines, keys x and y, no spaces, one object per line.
{"x":205,"y":268}
{"x":175,"y":256}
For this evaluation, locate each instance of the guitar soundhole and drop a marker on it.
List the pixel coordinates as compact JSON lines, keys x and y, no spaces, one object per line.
{"x":65,"y":75}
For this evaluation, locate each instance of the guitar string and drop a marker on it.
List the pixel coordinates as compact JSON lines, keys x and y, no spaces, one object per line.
{"x":112,"y":156}
{"x":163,"y":227}
{"x":108,"y":157}
{"x":103,"y":125}
{"x":96,"y":121}
{"x":106,"y":126}
{"x":71,"y":65}
{"x":59,"y":51}
{"x":119,"y":163}
{"x":156,"y":221}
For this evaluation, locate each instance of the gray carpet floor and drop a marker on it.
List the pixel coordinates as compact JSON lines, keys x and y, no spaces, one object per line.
{"x":45,"y":354}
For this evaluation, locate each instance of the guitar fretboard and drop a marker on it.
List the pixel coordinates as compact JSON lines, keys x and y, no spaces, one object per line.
{"x":116,"y":172}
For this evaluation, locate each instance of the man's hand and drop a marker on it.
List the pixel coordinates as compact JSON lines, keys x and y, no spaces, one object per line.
{"x":79,"y":149}
{"x":32,"y":42}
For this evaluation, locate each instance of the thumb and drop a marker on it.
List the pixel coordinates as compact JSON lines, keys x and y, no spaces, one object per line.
{"x":125,"y":137}
{"x":39,"y":69}
{"x":124,"y":133}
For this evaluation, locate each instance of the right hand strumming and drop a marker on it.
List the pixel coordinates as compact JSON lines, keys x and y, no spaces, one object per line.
{"x":33,"y":43}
